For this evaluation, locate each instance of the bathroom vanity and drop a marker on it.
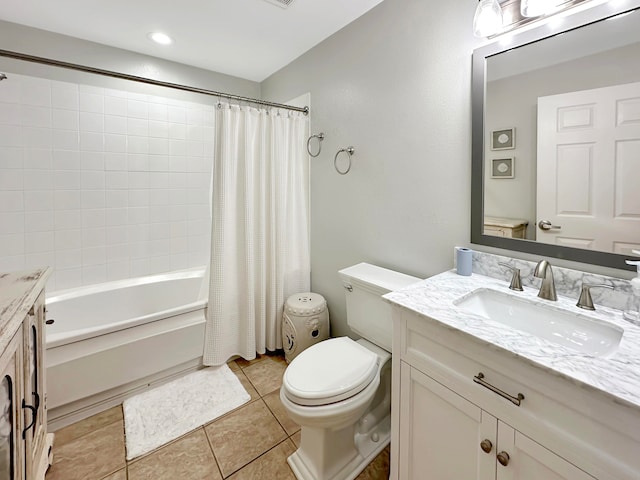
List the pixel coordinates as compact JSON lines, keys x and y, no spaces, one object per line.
{"x":477,"y":395}
{"x":25,"y":446}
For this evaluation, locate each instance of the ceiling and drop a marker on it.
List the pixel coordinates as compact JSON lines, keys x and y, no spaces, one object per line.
{"x":250,"y":39}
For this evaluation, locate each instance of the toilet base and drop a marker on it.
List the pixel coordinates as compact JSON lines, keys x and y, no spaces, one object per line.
{"x":363,"y":450}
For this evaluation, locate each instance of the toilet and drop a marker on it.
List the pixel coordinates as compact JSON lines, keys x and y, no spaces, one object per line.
{"x":339,"y":390}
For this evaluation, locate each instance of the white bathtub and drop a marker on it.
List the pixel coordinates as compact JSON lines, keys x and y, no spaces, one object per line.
{"x":110,"y":340}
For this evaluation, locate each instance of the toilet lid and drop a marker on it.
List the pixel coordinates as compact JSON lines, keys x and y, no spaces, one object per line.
{"x":329,"y":372}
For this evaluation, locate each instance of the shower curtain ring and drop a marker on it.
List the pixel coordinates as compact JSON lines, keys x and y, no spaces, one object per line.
{"x":349,"y":151}
{"x":320,"y":137}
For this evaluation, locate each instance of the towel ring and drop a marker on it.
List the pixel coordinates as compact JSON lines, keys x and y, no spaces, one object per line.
{"x":320,"y":137}
{"x":349,"y":151}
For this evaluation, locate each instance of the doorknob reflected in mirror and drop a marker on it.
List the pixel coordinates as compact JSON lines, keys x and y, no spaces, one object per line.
{"x":546,"y":225}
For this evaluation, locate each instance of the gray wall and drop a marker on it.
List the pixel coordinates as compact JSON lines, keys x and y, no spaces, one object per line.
{"x":41,"y":43}
{"x":396,"y":85}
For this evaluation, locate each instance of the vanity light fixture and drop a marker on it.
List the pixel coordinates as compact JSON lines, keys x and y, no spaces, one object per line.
{"x":537,"y":8}
{"x":160,"y":38}
{"x":488,"y":18}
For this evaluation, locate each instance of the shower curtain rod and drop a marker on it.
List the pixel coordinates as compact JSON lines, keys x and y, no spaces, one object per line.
{"x":124,"y":76}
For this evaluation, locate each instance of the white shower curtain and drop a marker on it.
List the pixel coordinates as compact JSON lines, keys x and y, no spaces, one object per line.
{"x":260,"y":229}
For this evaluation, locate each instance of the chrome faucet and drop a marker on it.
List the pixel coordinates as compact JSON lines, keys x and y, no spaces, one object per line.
{"x":547,"y":287}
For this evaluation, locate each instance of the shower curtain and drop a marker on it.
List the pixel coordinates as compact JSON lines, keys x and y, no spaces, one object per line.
{"x":260,"y":229}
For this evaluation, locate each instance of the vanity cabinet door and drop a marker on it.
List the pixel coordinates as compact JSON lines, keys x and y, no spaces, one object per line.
{"x":528,"y":460}
{"x":11,"y":443}
{"x":441,"y":432}
{"x":35,"y":418}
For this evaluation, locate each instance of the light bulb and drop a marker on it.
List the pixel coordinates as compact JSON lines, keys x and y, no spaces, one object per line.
{"x":535,"y":8}
{"x":488,"y":18}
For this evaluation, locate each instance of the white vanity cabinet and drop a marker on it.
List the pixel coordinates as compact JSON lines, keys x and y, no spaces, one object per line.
{"x":25,"y":445}
{"x":446,"y":426}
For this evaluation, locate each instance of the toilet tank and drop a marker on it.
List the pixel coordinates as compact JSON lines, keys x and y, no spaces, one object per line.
{"x":368,"y":314}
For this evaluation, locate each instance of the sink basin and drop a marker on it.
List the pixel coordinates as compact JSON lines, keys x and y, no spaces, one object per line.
{"x":575,"y":331}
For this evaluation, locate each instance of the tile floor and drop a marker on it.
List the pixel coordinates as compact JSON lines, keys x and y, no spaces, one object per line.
{"x":250,"y":442}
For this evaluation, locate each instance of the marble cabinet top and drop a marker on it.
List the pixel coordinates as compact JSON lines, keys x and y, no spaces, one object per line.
{"x":18,"y":292}
{"x":616,"y":375}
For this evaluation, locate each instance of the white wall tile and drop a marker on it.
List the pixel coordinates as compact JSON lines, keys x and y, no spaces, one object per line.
{"x":65,"y":97}
{"x":65,"y":259}
{"x":12,"y":244}
{"x":36,"y":137}
{"x":177,"y":131}
{"x":38,"y":158}
{"x":137,"y":144}
{"x":37,"y":180}
{"x":38,"y":200}
{"x":65,"y":139}
{"x":66,"y":179}
{"x":195,"y":116}
{"x":138,"y":180}
{"x":138,"y":198}
{"x":159,"y":180}
{"x":157,"y":111}
{"x":12,"y":263}
{"x":115,"y":161}
{"x":94,"y":274}
{"x":68,"y":220}
{"x":159,"y":264}
{"x":68,"y":239}
{"x":158,"y":197}
{"x":178,"y":227}
{"x":158,"y":146}
{"x":65,"y":119}
{"x":158,"y":163}
{"x":138,"y":162}
{"x":93,"y":180}
{"x":195,"y":133}
{"x":115,"y":106}
{"x":68,"y":278}
{"x":11,"y":157}
{"x":36,"y":116}
{"x":118,"y":253}
{"x":38,"y":242}
{"x":159,"y":231}
{"x":140,"y":267}
{"x":91,"y":142}
{"x":138,"y":126}
{"x":116,"y":235}
{"x":66,"y":160}
{"x":12,"y":179}
{"x":92,"y":161}
{"x":40,"y":259}
{"x":35,"y":91}
{"x":94,"y":237}
{"x":109,"y":92}
{"x":116,"y":216}
{"x":178,"y":163}
{"x":118,"y":270}
{"x":11,"y":201}
{"x":10,"y":91}
{"x":117,"y":180}
{"x":116,"y":198}
{"x":93,"y":199}
{"x":38,"y":222}
{"x":177,"y":114}
{"x":91,"y":102}
{"x":158,"y":129}
{"x":11,"y":136}
{"x":93,"y":218}
{"x":138,"y":215}
{"x":94,"y":255}
{"x":137,"y":109}
{"x":91,"y":122}
{"x":67,"y":200}
{"x":115,"y":143}
{"x":113,"y":124}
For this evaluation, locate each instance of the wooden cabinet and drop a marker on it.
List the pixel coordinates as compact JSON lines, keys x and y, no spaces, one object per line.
{"x":505,"y":227}
{"x":448,"y":426}
{"x":25,"y":445}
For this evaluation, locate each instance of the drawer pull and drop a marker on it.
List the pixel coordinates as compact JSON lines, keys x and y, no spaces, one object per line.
{"x":515,"y":400}
{"x":503,"y":458}
{"x":486,"y":445}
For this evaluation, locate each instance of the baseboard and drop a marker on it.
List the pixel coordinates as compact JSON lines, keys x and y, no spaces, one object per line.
{"x":64,"y":415}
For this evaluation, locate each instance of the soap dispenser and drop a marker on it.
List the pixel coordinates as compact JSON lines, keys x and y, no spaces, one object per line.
{"x":632,"y":312}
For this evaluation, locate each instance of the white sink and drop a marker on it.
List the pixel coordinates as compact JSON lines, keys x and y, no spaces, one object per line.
{"x":572,"y":330}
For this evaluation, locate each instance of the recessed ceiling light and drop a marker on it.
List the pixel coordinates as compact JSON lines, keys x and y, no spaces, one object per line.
{"x":161,"y":38}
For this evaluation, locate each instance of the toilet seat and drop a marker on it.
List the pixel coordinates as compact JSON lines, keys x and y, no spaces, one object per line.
{"x":330,"y":371}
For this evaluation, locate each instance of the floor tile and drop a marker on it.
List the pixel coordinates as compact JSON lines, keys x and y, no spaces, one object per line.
{"x":272,"y":464}
{"x":378,"y":469}
{"x":243,"y":435}
{"x":242,"y":363}
{"x":88,"y":425}
{"x":119,"y":475}
{"x":91,"y":456}
{"x":266,"y":376}
{"x":296,"y":437}
{"x":187,"y":458}
{"x":247,"y":385}
{"x":233,"y":366}
{"x":275,"y":405}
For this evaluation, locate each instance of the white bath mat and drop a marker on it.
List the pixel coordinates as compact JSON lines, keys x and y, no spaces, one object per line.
{"x":158,"y":416}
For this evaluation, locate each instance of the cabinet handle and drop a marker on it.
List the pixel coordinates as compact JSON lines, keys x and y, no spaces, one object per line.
{"x":34,"y":413}
{"x":486,"y":445}
{"x":503,"y":458}
{"x":515,"y":400}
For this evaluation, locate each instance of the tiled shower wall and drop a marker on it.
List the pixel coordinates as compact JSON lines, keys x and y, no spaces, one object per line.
{"x":101,"y":184}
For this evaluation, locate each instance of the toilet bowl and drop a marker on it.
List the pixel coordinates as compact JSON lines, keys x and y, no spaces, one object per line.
{"x":339,"y":390}
{"x":343,"y":428}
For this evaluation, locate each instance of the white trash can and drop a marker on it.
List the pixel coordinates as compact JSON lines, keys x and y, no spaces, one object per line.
{"x":305,"y":321}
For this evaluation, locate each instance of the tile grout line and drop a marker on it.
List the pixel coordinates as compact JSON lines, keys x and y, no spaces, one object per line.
{"x":215,"y":458}
{"x":259,"y":456}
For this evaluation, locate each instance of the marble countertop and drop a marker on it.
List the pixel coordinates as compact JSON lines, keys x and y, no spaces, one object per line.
{"x":616,"y":375}
{"x":18,"y":292}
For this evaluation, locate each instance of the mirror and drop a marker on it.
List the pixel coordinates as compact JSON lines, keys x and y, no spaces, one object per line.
{"x":556,"y":139}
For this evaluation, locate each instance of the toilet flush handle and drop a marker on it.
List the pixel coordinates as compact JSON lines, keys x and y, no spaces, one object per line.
{"x":349,"y":288}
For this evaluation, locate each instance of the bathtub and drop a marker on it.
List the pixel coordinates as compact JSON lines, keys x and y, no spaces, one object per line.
{"x":111,"y":340}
